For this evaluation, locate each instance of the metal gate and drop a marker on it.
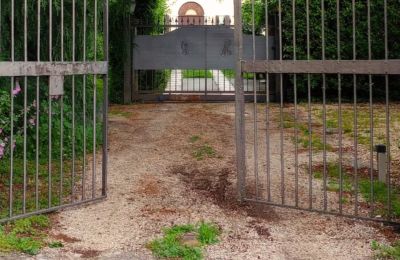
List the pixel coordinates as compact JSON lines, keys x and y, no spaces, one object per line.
{"x":330,"y":143}
{"x":193,"y":59}
{"x":53,"y":105}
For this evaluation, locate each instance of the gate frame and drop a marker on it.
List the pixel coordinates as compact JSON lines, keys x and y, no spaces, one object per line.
{"x":59,"y":69}
{"x":384,"y":67}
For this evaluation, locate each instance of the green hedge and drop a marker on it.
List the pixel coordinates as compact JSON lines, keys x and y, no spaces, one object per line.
{"x":346,"y":32}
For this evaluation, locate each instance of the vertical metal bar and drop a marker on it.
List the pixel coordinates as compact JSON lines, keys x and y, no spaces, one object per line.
{"x":310,"y":150}
{"x":267,"y":132}
{"x":281,"y":107}
{"x":84,"y":103}
{"x":355,"y":113}
{"x":37,"y":104}
{"x":62,"y":113}
{"x":95,"y":105}
{"x":388,"y":159}
{"x":340,"y":122}
{"x":223,"y":74}
{"x":49,"y":99}
{"x":255,"y":115}
{"x":324,"y":105}
{"x":25,"y":105}
{"x":73,"y":106}
{"x":371,"y":114}
{"x":206,"y":62}
{"x":105,"y":101}
{"x":12,"y":115}
{"x":239,"y":104}
{"x":1,"y":47}
{"x":296,"y":134}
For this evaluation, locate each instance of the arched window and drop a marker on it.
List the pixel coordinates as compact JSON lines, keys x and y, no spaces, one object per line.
{"x":191,"y":13}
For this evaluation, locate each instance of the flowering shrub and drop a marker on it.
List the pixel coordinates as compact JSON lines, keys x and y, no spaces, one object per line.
{"x":6,"y":144}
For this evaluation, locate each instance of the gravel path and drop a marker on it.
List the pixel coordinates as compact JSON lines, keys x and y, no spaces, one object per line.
{"x":155,"y":182}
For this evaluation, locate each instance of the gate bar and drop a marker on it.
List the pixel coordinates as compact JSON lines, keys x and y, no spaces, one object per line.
{"x":361,"y":67}
{"x":33,"y":68}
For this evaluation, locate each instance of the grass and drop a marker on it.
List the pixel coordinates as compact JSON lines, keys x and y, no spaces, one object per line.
{"x":25,"y":235}
{"x":204,"y":151}
{"x":190,"y":74}
{"x":171,"y":246}
{"x":383,"y":251}
{"x":380,"y":197}
{"x":18,"y":173}
{"x":201,"y":151}
{"x":333,"y":178}
{"x":116,"y":112}
{"x":194,"y":139}
{"x":380,"y":189}
{"x":363,"y":123}
{"x":208,"y":233}
{"x":303,"y":139}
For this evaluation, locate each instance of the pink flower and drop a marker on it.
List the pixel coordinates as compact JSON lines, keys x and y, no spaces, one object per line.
{"x":55,"y":97}
{"x":3,"y":145}
{"x":32,"y":121}
{"x":17,"y":88}
{"x":1,"y":152}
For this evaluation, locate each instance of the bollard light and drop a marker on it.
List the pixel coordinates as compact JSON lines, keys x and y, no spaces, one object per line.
{"x":381,"y":156}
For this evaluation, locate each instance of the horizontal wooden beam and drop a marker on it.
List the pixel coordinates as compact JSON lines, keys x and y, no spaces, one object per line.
{"x":17,"y":69}
{"x":375,"y":67}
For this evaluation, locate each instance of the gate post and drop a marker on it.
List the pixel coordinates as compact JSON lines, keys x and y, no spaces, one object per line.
{"x":127,"y":59}
{"x":239,"y":104}
{"x":135,"y":82}
{"x":105,"y":102}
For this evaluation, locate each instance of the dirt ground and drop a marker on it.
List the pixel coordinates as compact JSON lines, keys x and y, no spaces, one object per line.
{"x":156,"y":181}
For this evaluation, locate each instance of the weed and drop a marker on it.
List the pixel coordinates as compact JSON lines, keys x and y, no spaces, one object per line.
{"x":170,"y":246}
{"x":30,"y":225}
{"x":380,"y":189}
{"x":120,"y":113}
{"x":386,"y":251}
{"x":380,"y":195}
{"x":208,"y":233}
{"x":24,"y":235}
{"x":56,"y":244}
{"x":179,"y":230}
{"x":204,"y":151}
{"x":194,"y":138}
{"x":345,"y":200}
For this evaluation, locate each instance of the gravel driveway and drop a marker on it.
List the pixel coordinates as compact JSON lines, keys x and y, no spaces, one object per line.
{"x":155,"y":181}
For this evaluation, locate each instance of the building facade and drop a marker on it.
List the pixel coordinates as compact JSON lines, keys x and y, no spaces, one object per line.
{"x":200,"y":12}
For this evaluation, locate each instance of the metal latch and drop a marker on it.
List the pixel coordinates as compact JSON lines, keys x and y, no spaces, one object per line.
{"x":56,"y":85}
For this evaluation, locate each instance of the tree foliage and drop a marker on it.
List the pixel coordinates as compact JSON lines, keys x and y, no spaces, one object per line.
{"x":149,"y":10}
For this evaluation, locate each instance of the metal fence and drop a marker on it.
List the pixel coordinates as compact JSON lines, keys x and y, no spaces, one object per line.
{"x":332,"y":144}
{"x":53,"y":105}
